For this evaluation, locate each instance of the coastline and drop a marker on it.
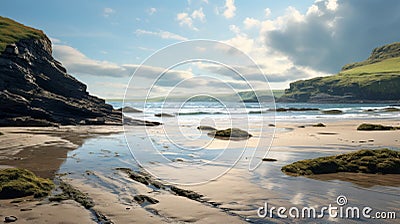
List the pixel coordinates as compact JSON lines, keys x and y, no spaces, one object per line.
{"x":43,"y":150}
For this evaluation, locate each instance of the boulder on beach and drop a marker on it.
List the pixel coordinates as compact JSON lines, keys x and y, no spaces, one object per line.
{"x":381,"y":161}
{"x":230,"y":133}
{"x":375,"y":127}
{"x":319,"y":125}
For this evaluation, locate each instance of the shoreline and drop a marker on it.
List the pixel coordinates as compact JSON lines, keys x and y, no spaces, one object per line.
{"x":43,"y":150}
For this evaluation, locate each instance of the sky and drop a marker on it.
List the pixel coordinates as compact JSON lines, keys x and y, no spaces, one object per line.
{"x":102,"y":43}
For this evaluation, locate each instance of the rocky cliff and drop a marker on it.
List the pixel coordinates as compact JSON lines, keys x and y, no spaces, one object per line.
{"x":376,"y":79}
{"x":36,"y":90}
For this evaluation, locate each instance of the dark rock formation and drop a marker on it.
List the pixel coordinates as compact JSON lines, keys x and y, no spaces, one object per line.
{"x":36,"y":90}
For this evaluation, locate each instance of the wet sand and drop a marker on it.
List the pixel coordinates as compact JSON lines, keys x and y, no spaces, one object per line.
{"x":43,"y":150}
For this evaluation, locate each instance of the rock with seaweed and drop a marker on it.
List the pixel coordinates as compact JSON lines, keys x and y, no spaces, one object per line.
{"x":230,"y":133}
{"x":381,"y":161}
{"x":375,"y":127}
{"x":17,"y":182}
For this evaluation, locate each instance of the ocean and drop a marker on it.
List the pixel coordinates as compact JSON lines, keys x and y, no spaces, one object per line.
{"x":252,"y":110}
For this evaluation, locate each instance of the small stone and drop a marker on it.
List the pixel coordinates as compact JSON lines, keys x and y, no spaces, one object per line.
{"x":10,"y":218}
{"x":25,"y":209}
{"x":269,"y":160}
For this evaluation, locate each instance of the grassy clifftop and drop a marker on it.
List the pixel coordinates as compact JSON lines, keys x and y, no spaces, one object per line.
{"x":12,"y":32}
{"x":375,"y":79}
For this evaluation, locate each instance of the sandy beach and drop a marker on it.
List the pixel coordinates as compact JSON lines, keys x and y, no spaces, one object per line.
{"x":226,"y":199}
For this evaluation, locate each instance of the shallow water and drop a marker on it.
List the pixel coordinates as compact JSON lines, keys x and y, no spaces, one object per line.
{"x":105,"y":153}
{"x":179,"y":153}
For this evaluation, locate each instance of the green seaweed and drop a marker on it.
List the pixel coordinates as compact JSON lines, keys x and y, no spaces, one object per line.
{"x":17,"y":182}
{"x":383,"y":161}
{"x":70,"y":192}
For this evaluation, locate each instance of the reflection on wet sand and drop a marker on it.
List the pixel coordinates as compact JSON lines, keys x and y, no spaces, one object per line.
{"x":361,"y":179}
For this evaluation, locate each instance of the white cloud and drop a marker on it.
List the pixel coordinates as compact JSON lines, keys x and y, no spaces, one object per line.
{"x":146,"y":49}
{"x":185,"y":20}
{"x":251,"y":23}
{"x":198,"y":14}
{"x":230,"y":9}
{"x":55,"y":40}
{"x":333,"y":33}
{"x":77,"y":63}
{"x":151,"y":11}
{"x":108,"y":11}
{"x":235,"y":29}
{"x":267,"y":12}
{"x":162,"y":34}
{"x":331,"y":5}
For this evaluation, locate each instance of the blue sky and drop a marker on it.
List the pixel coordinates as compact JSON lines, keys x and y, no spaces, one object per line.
{"x":102,"y":42}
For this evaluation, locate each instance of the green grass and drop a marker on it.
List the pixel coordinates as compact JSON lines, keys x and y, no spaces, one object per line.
{"x":278,"y":92}
{"x":391,"y":65}
{"x":382,"y":161}
{"x":375,"y":79}
{"x":16,"y":182}
{"x":12,"y":32}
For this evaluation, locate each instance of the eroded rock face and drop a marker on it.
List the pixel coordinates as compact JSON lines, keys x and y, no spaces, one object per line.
{"x":36,"y":90}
